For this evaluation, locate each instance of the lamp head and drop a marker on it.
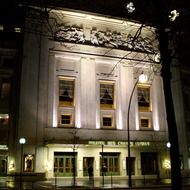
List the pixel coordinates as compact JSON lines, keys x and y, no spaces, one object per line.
{"x":22,"y":140}
{"x":143,"y":78}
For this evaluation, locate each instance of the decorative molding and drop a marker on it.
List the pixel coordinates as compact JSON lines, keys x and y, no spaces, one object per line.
{"x":70,"y":33}
{"x":114,"y":39}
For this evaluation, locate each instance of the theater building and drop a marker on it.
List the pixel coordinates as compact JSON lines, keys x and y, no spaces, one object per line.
{"x":80,"y":79}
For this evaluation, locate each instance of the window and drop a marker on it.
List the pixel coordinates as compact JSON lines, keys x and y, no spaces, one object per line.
{"x":5,"y":88}
{"x":144,"y":98}
{"x":107,"y":121}
{"x":107,"y":94}
{"x":145,"y":123}
{"x":110,"y":164}
{"x":64,"y":163}
{"x":28,"y":162}
{"x":66,"y":119}
{"x":4,"y":119}
{"x":66,"y":92}
{"x":149,"y":163}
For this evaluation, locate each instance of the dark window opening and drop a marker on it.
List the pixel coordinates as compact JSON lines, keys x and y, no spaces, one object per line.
{"x":65,"y":119}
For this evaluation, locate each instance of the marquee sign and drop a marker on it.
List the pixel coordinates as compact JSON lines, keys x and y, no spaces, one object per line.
{"x":3,"y":147}
{"x":120,"y":143}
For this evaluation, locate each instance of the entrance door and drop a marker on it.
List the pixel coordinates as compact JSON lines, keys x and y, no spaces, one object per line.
{"x":87,"y":161}
{"x":149,"y":163}
{"x":130,"y":164}
{"x":65,"y":164}
{"x":3,"y":165}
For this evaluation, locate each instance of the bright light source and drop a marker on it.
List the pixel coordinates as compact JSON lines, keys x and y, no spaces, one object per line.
{"x":22,"y":140}
{"x":1,"y":27}
{"x":173,"y":15}
{"x":130,"y":7}
{"x":11,"y":166}
{"x":168,"y":144}
{"x":143,"y":78}
{"x":166,"y":164}
{"x":17,"y":29}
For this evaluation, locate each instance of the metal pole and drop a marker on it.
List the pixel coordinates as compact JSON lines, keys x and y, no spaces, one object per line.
{"x":102,"y":165}
{"x":128,"y":137}
{"x":74,"y":167}
{"x":55,"y":180}
{"x":21,"y":154}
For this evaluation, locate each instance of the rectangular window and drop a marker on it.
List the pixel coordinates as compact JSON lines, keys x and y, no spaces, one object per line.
{"x":66,"y":92}
{"x":107,"y":121}
{"x":4,"y":119}
{"x":66,"y":119}
{"x":5,"y":88}
{"x":144,"y":98}
{"x":65,"y":164}
{"x":145,"y":123}
{"x":110,"y":164}
{"x":107,"y":94}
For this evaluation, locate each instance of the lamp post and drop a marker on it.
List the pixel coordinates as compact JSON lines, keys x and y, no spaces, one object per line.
{"x":103,"y":172}
{"x":22,"y":141}
{"x":142,"y":79}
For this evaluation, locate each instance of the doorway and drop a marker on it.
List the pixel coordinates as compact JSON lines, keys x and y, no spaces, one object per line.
{"x":3,"y":165}
{"x":87,"y":161}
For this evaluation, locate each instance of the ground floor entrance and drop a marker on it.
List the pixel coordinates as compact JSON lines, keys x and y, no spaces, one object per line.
{"x":3,"y":165}
{"x":107,"y":161}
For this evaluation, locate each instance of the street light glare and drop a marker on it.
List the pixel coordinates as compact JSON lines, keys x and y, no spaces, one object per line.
{"x":143,"y":78}
{"x":168,"y":144}
{"x":22,"y":140}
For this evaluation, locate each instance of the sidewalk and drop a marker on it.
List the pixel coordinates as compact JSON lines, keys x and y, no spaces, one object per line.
{"x":107,"y":182}
{"x":83,"y":183}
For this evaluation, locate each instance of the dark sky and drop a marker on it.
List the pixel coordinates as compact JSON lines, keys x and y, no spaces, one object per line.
{"x":146,"y":10}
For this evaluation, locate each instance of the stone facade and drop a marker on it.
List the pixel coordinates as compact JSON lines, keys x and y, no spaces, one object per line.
{"x":85,"y":54}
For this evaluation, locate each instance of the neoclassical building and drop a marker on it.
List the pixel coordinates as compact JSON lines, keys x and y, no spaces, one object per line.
{"x":82,"y":102}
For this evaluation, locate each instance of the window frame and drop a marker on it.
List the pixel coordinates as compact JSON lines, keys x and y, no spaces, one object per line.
{"x":112,"y":162}
{"x":107,"y":106}
{"x":144,"y":108}
{"x":107,"y":126}
{"x":149,"y":123}
{"x":4,"y":119}
{"x":66,"y":166}
{"x":66,"y":103}
{"x":71,"y":120}
{"x":108,"y":115}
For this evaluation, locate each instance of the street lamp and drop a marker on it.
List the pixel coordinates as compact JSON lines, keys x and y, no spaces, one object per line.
{"x":141,"y":79}
{"x":22,"y":141}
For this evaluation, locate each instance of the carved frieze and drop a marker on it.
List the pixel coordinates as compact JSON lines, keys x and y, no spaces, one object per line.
{"x":104,"y":38}
{"x":70,"y":33}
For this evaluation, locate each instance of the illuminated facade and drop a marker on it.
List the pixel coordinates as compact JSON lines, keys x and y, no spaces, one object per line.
{"x":78,"y":73}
